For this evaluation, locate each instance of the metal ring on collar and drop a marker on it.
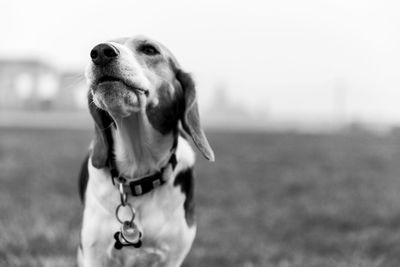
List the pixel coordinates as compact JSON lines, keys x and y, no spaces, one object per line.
{"x":130,"y":208}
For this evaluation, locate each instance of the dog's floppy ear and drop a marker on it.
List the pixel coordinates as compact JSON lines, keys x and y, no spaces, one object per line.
{"x":102,"y":135}
{"x":190,"y":118}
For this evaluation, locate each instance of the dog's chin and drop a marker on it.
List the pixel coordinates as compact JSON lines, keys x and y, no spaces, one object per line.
{"x":116,"y":98}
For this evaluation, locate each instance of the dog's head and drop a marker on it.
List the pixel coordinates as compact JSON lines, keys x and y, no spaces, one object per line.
{"x":132,"y":75}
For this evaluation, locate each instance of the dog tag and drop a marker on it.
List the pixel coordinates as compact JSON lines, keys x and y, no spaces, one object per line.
{"x":128,"y":236}
{"x":130,"y":232}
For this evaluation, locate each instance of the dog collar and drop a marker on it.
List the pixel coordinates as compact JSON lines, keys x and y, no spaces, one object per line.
{"x":139,"y":186}
{"x":145,"y":184}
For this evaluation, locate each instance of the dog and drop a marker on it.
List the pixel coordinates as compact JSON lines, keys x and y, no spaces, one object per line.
{"x":137,"y":181}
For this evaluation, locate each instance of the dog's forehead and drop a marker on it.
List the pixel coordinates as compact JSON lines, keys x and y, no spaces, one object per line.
{"x":136,"y":41}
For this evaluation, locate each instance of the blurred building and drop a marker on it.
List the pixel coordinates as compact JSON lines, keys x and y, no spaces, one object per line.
{"x":31,"y":84}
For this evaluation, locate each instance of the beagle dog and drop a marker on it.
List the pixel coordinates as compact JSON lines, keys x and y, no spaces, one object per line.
{"x":137,"y":181}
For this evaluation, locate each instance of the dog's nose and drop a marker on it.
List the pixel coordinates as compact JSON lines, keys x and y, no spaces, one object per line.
{"x":102,"y":54}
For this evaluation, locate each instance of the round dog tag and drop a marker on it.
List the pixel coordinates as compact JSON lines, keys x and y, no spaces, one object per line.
{"x":130,"y":232}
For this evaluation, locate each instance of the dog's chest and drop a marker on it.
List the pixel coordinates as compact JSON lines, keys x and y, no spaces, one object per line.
{"x":160,"y":216}
{"x":162,"y":223}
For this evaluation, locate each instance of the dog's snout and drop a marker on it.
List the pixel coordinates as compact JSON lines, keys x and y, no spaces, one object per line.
{"x":104,"y":53}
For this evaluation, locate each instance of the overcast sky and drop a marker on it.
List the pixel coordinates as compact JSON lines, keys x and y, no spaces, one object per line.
{"x":289,"y":58}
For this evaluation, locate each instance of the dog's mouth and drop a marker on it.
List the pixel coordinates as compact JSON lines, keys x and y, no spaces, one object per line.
{"x":117,"y":96}
{"x":108,"y":79}
{"x":111,"y":79}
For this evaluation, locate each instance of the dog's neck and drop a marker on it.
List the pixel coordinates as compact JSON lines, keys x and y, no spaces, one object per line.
{"x":138,"y":148}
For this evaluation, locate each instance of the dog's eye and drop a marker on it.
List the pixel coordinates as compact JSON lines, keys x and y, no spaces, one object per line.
{"x":149,"y":50}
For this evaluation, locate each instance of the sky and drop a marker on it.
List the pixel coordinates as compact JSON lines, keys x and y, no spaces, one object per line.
{"x":336,"y":60}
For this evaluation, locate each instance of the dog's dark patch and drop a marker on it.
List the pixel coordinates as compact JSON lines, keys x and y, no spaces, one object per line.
{"x":83,"y":178}
{"x":185,"y":180}
{"x":164,"y":116}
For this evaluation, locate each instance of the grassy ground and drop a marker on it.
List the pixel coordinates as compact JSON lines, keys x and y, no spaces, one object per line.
{"x":269,"y":200}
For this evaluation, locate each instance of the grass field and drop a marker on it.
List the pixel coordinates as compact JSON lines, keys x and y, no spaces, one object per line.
{"x":269,"y":200}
